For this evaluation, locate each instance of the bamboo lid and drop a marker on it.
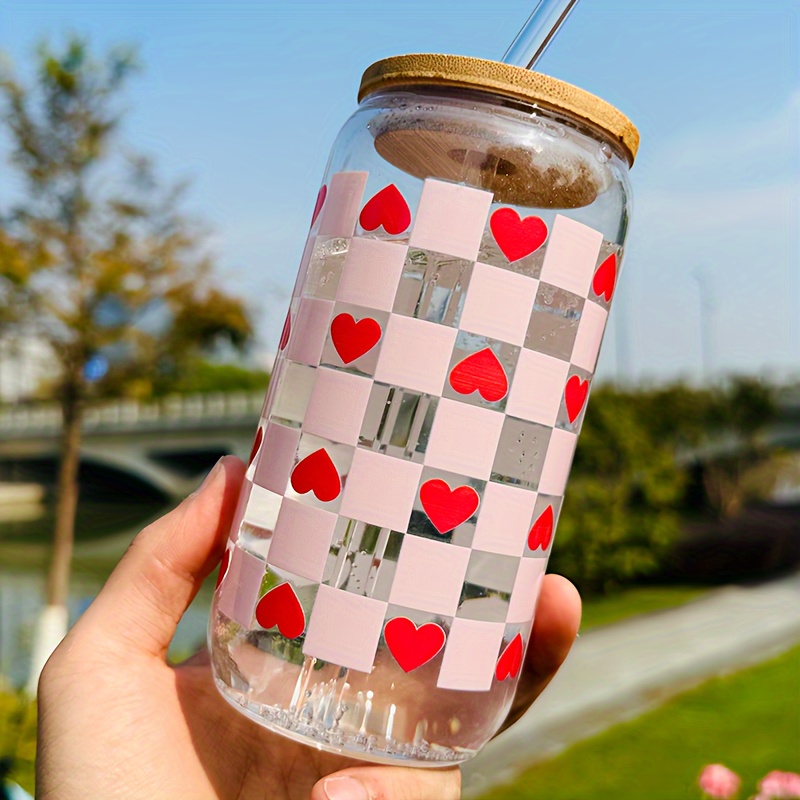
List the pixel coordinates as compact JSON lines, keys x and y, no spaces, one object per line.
{"x":450,"y":147}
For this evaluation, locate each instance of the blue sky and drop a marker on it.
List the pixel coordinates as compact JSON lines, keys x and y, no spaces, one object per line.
{"x":245,"y":98}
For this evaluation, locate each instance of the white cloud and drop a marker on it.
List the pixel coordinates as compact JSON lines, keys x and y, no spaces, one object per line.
{"x":735,"y":141}
{"x":664,"y":213}
{"x":722,"y":202}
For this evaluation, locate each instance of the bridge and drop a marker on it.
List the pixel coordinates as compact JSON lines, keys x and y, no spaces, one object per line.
{"x":164,"y":447}
{"x":160,"y":447}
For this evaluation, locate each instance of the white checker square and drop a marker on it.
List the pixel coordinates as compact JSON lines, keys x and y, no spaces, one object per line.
{"x":526,"y":589}
{"x":262,"y":508}
{"x":344,"y":628}
{"x":309,"y":330}
{"x":571,"y":255}
{"x":470,"y":655}
{"x":451,"y":219}
{"x":464,"y":438}
{"x":241,"y":506}
{"x":499,"y":303}
{"x":504,"y":519}
{"x":537,"y":388}
{"x":342,"y":204}
{"x":276,"y":457}
{"x":372,"y":270}
{"x":415,"y":354}
{"x":293,"y":387}
{"x":380,"y":490}
{"x":337,"y":406}
{"x":302,"y":539}
{"x":557,"y":462}
{"x":429,"y":575}
{"x":589,"y":336}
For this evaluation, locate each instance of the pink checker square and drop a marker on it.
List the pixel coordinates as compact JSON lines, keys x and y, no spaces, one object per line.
{"x":589,"y":336}
{"x":276,"y":458}
{"x":380,"y":490}
{"x":470,"y":655}
{"x":345,"y":628}
{"x":537,"y":388}
{"x":499,"y":303}
{"x":504,"y":519}
{"x":526,"y":589}
{"x":301,"y":539}
{"x":309,"y":329}
{"x":337,"y":406}
{"x":464,"y":439}
{"x":371,"y":274}
{"x":557,"y":462}
{"x":240,"y":588}
{"x":415,"y":354}
{"x":342,"y":204}
{"x":571,"y":255}
{"x":429,"y":575}
{"x":451,"y":219}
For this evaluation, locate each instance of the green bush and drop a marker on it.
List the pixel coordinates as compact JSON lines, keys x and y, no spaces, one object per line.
{"x":620,"y":513}
{"x":18,"y":736}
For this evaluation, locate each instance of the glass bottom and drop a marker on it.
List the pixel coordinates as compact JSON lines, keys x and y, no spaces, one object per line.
{"x":357,"y":745}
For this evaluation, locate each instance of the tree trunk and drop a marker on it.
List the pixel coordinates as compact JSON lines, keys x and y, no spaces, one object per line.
{"x":52,"y":625}
{"x":66,"y":498}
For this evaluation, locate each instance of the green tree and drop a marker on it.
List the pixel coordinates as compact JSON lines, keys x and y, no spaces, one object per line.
{"x":620,"y":512}
{"x":738,"y":465}
{"x":97,"y":259}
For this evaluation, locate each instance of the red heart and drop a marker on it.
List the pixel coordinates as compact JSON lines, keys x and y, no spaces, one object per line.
{"x":317,"y":473}
{"x":517,"y":237}
{"x":605,"y":278}
{"x":410,"y":645}
{"x":321,"y":195}
{"x":447,"y":508}
{"x":482,"y":371}
{"x":352,"y":339}
{"x":388,"y":208}
{"x":280,"y":606}
{"x":542,"y":531}
{"x":223,"y":567}
{"x":575,"y":396}
{"x":286,"y":332}
{"x":510,"y":659}
{"x":256,"y":445}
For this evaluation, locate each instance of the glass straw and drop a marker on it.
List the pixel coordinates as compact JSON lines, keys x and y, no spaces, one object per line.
{"x":537,"y":33}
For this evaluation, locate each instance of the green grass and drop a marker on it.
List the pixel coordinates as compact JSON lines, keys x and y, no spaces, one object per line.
{"x":629,"y":602}
{"x":749,"y":721}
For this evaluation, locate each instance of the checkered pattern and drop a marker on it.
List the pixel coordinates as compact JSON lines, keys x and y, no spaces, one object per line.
{"x":391,"y":418}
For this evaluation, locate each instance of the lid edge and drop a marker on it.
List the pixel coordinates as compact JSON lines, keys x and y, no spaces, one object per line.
{"x":432,"y":69}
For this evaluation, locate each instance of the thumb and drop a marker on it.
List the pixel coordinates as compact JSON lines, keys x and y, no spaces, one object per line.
{"x":160,"y":574}
{"x":382,"y":783}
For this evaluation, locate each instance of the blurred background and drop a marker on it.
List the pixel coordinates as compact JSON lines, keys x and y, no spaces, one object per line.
{"x":160,"y":161}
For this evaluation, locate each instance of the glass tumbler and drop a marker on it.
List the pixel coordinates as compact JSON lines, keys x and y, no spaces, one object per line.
{"x":379,"y":586}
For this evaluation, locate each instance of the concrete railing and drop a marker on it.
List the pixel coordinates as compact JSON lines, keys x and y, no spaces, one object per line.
{"x":122,"y":416}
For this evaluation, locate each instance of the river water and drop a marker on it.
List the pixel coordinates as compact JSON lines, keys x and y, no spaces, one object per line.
{"x":104,"y":531}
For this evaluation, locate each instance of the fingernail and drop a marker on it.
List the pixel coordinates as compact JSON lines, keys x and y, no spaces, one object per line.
{"x":209,"y":479}
{"x":345,"y":788}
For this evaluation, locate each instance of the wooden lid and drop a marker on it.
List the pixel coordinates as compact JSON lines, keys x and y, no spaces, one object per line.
{"x":430,"y":69}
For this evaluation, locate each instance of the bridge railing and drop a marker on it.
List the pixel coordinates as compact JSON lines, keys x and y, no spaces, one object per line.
{"x":131,"y":415}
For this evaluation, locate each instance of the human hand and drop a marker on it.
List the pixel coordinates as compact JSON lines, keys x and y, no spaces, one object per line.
{"x":117,"y":721}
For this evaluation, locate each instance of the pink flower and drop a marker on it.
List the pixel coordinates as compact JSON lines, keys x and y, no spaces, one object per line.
{"x":779,"y":786}
{"x":719,"y":782}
